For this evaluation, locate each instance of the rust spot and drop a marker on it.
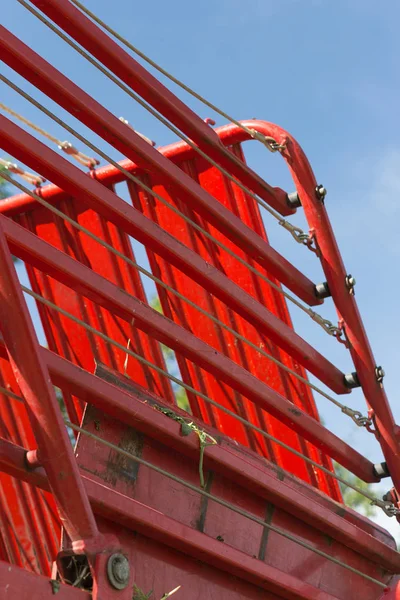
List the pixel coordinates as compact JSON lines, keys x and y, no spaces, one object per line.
{"x":295,"y":412}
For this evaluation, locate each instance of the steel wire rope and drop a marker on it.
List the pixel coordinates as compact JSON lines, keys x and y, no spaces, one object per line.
{"x":254,"y":134}
{"x":297,"y":233}
{"x":210,"y":496}
{"x":356,"y":416}
{"x":326,"y":325}
{"x":382,"y":504}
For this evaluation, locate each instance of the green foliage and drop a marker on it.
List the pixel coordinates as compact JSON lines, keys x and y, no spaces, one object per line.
{"x":352,"y":498}
{"x":171,"y":363}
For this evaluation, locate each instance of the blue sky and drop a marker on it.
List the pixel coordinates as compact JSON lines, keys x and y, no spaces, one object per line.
{"x":327,"y":72}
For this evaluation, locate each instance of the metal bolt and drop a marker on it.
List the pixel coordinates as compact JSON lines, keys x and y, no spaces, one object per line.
{"x":118,"y":571}
{"x":350,"y":283}
{"x":379,"y":374}
{"x":321,"y":192}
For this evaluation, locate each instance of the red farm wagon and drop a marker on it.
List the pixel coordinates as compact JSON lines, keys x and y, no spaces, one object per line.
{"x":163,"y":437}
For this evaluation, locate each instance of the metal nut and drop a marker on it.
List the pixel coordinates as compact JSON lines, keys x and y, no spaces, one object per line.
{"x":118,"y":571}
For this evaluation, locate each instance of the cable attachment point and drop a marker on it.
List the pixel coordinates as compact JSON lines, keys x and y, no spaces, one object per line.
{"x":269,"y":142}
{"x":146,"y":139}
{"x":379,"y":374}
{"x":326,"y":325}
{"x":83,"y":159}
{"x":30,"y":178}
{"x":297,"y":233}
{"x":321,"y":192}
{"x":359,"y":419}
{"x":387,"y":505}
{"x":350,"y":283}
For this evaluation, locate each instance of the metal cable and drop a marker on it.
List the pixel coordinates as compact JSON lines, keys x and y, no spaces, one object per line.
{"x":206,"y":494}
{"x":189,"y":388}
{"x":297,"y":233}
{"x":326,"y":325}
{"x":256,"y":135}
{"x":222,"y":502}
{"x":356,"y":416}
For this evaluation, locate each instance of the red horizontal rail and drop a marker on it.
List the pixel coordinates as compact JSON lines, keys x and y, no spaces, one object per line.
{"x":124,"y":216}
{"x":110,"y":175}
{"x":108,"y":52}
{"x":32,"y":377}
{"x":152,"y":523}
{"x":135,"y":409}
{"x":41,"y":158}
{"x":19,"y":583}
{"x":82,"y":106}
{"x":225,"y":457}
{"x":43,"y":256}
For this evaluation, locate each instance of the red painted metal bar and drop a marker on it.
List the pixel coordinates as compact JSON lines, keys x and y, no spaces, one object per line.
{"x":67,"y":338}
{"x":26,"y":148}
{"x":134,"y":407}
{"x":152,"y":523}
{"x":82,"y":106}
{"x":387,"y":432}
{"x":17,"y":583}
{"x":247,"y":209}
{"x":73,"y":274}
{"x":32,"y":377}
{"x":108,"y":52}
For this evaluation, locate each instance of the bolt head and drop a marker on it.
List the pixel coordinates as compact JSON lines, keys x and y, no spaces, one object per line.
{"x":118,"y":571}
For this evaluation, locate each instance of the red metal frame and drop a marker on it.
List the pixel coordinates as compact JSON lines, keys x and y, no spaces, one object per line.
{"x":56,"y":86}
{"x":128,"y":417}
{"x":100,"y":45}
{"x":143,"y":519}
{"x":32,"y":152}
{"x":45,"y":257}
{"x":49,"y":430}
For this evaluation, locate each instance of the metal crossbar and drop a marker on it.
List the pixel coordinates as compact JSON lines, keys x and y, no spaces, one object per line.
{"x":326,"y":325}
{"x":212,"y":497}
{"x":355,"y":415}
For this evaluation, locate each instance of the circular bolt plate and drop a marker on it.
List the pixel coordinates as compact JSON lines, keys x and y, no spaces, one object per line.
{"x":118,"y":571}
